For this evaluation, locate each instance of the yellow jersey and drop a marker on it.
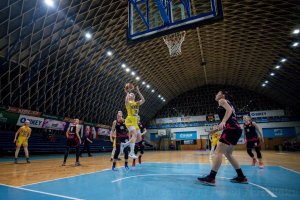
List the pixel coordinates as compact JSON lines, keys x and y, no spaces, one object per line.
{"x":24,"y":131}
{"x":215,"y":138}
{"x":133,"y":108}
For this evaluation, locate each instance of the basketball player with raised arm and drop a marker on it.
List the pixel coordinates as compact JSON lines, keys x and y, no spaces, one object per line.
{"x":131,"y":120}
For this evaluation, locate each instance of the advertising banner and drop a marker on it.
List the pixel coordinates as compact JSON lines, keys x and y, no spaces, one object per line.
{"x":24,"y":111}
{"x":279,"y":132}
{"x":103,"y":131}
{"x":54,"y":124}
{"x":34,"y":121}
{"x":267,"y":113}
{"x":190,"y":135}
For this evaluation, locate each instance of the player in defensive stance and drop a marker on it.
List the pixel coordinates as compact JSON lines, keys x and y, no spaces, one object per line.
{"x":229,"y":138}
{"x":23,"y":134}
{"x":121,"y":136}
{"x":253,"y":140}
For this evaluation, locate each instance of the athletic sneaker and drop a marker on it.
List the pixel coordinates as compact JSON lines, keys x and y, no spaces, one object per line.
{"x":64,"y":164}
{"x":254,"y":162}
{"x":16,"y":160}
{"x":239,"y":179}
{"x":260,"y":164}
{"x":27,"y":160}
{"x":126,"y":167}
{"x":140,"y":159}
{"x":207,"y":180}
{"x":131,"y":155}
{"x":114,"y":168}
{"x":77,"y":164}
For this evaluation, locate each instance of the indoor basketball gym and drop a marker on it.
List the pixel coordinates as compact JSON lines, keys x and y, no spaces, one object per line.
{"x":208,"y":92}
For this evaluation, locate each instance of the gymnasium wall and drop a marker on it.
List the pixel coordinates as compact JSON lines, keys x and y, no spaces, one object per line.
{"x":275,"y":134}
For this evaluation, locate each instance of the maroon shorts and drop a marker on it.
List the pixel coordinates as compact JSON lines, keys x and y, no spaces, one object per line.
{"x":72,"y":142}
{"x":230,"y":136}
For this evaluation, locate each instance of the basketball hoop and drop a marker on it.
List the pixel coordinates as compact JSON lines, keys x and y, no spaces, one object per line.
{"x":174,"y":42}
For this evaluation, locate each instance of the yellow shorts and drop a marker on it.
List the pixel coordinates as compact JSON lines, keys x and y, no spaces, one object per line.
{"x":22,"y":141}
{"x":132,"y":121}
{"x":214,"y":142}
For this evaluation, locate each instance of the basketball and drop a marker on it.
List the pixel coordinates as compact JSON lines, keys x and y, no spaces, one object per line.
{"x":129,"y":87}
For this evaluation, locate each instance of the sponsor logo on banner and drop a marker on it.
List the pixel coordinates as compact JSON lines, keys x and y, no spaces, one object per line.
{"x":162,"y":132}
{"x":103,"y":131}
{"x":24,"y":111}
{"x":53,"y":124}
{"x":34,"y":121}
{"x":267,"y":113}
{"x":279,"y":132}
{"x":186,"y":135}
{"x":102,"y":126}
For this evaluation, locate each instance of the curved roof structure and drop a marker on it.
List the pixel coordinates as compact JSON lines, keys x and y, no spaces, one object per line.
{"x":48,"y":65}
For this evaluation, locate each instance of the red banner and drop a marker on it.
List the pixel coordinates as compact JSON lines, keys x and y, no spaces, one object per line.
{"x":24,"y":111}
{"x":71,"y":120}
{"x":102,"y":126}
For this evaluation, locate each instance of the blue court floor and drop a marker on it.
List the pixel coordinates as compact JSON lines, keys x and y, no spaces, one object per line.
{"x":164,"y":181}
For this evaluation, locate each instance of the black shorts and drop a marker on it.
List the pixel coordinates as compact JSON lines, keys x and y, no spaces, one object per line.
{"x":253,"y":144}
{"x":121,"y":139}
{"x":230,"y":136}
{"x":72,"y":143}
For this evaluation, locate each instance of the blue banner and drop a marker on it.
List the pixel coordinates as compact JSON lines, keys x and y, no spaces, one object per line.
{"x":154,"y":137}
{"x":190,"y":135}
{"x":279,"y":132}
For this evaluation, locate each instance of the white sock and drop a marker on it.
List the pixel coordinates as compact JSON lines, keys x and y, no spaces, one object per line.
{"x":132,"y":148}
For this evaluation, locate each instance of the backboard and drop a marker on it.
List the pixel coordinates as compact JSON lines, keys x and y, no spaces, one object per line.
{"x":154,"y":18}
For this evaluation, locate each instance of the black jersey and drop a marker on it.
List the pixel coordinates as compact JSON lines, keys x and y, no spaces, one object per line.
{"x":72,"y":131}
{"x":250,"y":132}
{"x":232,"y":122}
{"x":121,"y":130}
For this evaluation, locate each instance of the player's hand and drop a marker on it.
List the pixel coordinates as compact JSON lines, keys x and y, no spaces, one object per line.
{"x":79,"y":141}
{"x":262,"y":140}
{"x":137,"y":88}
{"x":222,"y":126}
{"x":15,"y":140}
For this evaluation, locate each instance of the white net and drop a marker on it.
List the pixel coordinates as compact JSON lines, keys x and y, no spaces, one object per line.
{"x":174,"y":42}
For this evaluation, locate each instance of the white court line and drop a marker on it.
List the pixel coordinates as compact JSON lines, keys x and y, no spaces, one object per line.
{"x":63,"y":178}
{"x":290,"y":170}
{"x":40,"y":192}
{"x":265,"y":189}
{"x":128,"y":177}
